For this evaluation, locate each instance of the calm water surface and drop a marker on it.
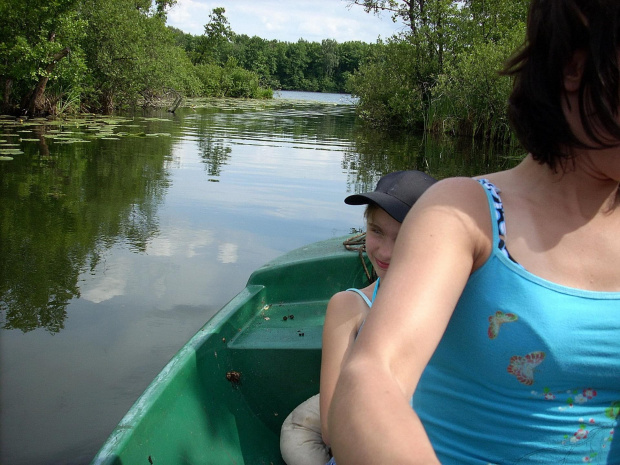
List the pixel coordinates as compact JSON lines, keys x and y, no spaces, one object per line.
{"x":120,"y":237}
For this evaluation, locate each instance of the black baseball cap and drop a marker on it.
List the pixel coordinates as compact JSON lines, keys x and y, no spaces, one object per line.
{"x":395,"y":192}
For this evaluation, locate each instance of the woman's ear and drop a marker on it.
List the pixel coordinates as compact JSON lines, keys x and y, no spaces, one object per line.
{"x":573,"y":71}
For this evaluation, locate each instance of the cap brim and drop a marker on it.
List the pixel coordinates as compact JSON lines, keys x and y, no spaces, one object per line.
{"x":394,"y":207}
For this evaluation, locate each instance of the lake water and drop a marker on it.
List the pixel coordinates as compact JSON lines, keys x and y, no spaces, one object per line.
{"x":120,"y":237}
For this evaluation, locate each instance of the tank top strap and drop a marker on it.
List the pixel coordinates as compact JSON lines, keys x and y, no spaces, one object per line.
{"x":498,"y":220}
{"x":495,"y":208}
{"x":368,"y":301}
{"x":362,"y":295}
{"x":374,"y":292}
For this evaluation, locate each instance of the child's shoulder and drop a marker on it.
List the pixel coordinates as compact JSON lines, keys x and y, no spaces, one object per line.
{"x":351,"y":301}
{"x":345,"y":297}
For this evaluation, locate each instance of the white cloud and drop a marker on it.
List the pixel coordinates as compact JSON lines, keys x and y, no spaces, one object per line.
{"x":111,"y":283}
{"x":228,"y":253}
{"x":190,"y":16}
{"x":180,"y":242}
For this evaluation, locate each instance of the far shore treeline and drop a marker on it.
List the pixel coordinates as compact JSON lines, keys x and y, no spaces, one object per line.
{"x":439,"y":74}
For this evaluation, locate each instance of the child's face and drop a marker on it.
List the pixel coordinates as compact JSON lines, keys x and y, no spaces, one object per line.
{"x":381,"y":234}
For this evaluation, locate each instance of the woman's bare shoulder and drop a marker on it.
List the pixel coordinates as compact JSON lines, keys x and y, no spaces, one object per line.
{"x":464,"y":198}
{"x":457,"y":208}
{"x":455,"y":188}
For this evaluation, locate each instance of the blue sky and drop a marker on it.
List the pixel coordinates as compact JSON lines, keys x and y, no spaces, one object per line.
{"x":288,"y":20}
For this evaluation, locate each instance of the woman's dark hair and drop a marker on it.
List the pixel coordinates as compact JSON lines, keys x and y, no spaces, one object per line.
{"x":555,"y":30}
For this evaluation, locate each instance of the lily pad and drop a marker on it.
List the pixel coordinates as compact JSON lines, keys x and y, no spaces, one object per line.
{"x":3,"y":158}
{"x":69,"y":140}
{"x":155,"y":119}
{"x":10,"y":152}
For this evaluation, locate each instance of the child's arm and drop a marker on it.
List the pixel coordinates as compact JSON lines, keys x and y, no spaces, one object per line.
{"x":345,"y":313}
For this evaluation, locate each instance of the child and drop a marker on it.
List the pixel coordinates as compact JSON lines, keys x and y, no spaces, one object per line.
{"x":304,"y":439}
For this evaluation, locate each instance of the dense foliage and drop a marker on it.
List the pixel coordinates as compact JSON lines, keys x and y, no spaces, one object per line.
{"x":439,"y":74}
{"x":62,"y":55}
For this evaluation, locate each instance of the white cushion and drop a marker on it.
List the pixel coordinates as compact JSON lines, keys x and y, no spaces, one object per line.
{"x":301,"y":442}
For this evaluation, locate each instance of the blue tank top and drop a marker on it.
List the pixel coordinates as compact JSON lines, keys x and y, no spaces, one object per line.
{"x":527,"y":372}
{"x":368,"y":301}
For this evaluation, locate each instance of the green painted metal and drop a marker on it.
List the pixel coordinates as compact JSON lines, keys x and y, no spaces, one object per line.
{"x":198,"y":410}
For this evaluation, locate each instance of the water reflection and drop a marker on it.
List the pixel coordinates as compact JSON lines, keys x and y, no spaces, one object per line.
{"x":376,"y":153}
{"x":82,"y":187}
{"x":63,"y":205}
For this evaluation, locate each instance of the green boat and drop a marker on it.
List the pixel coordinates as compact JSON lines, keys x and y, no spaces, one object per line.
{"x":223,"y":397}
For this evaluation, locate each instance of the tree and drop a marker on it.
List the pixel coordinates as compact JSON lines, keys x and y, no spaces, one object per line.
{"x":412,"y":12}
{"x":217,"y":34}
{"x":132,"y":54}
{"x":98,"y":52}
{"x":330,"y":57}
{"x":491,"y":20}
{"x":429,"y":22}
{"x":256,"y":54}
{"x":35,"y":37}
{"x":446,"y":64}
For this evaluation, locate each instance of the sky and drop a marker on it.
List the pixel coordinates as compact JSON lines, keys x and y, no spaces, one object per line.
{"x":287,"y":20}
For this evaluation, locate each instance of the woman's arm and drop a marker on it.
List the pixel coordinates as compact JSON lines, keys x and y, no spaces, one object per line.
{"x":445,"y":236}
{"x":344,"y":315}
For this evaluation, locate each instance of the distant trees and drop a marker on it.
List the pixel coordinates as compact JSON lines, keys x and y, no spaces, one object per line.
{"x":301,"y":65}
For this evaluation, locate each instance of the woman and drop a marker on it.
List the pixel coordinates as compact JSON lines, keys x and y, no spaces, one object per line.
{"x":500,"y":313}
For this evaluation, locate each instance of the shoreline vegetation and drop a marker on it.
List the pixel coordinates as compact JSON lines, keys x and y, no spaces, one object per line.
{"x":439,"y":75}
